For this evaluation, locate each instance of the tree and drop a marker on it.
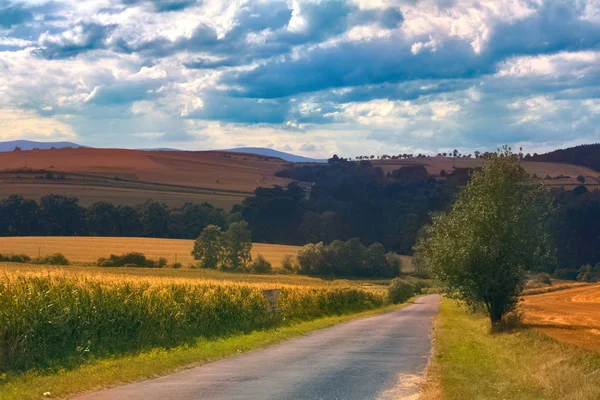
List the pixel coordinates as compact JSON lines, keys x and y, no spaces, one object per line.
{"x":208,"y":247}
{"x":237,"y":243}
{"x":581,"y":179}
{"x":493,"y":234}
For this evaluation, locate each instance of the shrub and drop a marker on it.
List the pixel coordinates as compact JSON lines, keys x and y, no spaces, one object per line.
{"x":544,"y":278}
{"x":288,"y":263}
{"x":15,"y":258}
{"x":350,"y":258}
{"x":260,"y":265}
{"x":399,"y":291}
{"x":177,"y":265}
{"x":53,"y":259}
{"x":133,"y":259}
{"x":587,"y":273}
{"x":509,"y":322}
{"x":565,"y":274}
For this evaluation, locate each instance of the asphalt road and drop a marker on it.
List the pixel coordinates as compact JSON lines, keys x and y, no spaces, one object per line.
{"x":381,"y":357}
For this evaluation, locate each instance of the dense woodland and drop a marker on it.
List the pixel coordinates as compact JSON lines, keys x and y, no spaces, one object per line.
{"x":345,"y":200}
{"x":585,"y":155}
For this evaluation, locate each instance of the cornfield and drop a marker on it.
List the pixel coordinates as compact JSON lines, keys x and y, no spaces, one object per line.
{"x":51,"y":318}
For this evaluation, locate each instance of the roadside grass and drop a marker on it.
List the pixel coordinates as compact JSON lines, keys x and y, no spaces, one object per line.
{"x":102,"y":373}
{"x":470,"y":363}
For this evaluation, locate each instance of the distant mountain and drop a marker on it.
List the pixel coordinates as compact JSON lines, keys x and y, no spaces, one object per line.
{"x":263,"y":151}
{"x":587,"y":155}
{"x":30,"y":145}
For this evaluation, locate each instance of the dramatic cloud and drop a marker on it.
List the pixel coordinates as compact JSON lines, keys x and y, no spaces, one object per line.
{"x":310,"y":76}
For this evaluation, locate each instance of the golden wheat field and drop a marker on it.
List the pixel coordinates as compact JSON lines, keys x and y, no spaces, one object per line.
{"x":570,"y":315}
{"x":90,"y":249}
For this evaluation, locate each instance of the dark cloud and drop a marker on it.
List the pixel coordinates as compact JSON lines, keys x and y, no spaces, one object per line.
{"x":558,"y":26}
{"x":164,"y":5}
{"x":358,"y":63}
{"x":120,"y":93}
{"x":81,"y":38}
{"x":555,"y":26}
{"x":13,"y":14}
{"x":242,"y":110}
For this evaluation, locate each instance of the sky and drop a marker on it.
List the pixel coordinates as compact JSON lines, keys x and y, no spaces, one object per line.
{"x":309,"y":77}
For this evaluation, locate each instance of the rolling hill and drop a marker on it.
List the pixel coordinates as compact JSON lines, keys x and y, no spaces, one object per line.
{"x":134,"y":176}
{"x":263,"y":151}
{"x":587,"y":155}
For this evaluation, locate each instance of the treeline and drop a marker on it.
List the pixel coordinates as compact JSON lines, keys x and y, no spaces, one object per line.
{"x":349,"y":200}
{"x":587,"y":155}
{"x":58,"y":215}
{"x":575,"y":229}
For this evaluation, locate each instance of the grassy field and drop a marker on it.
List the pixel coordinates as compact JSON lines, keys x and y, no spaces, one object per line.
{"x":471,"y":363}
{"x":570,"y":316}
{"x":133,"y":176}
{"x":90,"y":249}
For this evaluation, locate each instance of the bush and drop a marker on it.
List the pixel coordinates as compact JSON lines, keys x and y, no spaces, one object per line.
{"x":177,"y":265}
{"x":288,"y":263}
{"x":587,"y":273}
{"x":399,"y":291}
{"x":53,"y":259}
{"x":544,"y":278}
{"x":15,"y":258}
{"x":350,"y":258}
{"x":261,"y":265}
{"x":565,"y":274}
{"x":133,"y":259}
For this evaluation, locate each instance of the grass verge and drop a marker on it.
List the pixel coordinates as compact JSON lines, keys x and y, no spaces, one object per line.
{"x":105,"y":373}
{"x":471,"y":363}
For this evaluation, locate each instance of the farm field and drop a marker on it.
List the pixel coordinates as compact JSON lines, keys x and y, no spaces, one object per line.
{"x":435,"y":165}
{"x":81,"y":249}
{"x":571,"y":316}
{"x":134,"y":176}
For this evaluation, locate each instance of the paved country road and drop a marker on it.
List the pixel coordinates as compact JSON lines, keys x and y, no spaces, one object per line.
{"x":379,"y":357}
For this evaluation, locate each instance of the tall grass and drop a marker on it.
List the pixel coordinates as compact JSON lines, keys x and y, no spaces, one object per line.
{"x":55,"y":319}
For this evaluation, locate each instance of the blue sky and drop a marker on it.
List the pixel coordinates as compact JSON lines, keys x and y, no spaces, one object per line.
{"x":310,"y":77}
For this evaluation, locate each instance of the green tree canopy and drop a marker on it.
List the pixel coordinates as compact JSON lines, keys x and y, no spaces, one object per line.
{"x":493,"y":234}
{"x":208,"y":247}
{"x":237,"y":243}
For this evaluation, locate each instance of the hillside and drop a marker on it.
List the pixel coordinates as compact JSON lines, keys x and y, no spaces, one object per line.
{"x":263,"y":151}
{"x":134,"y":176}
{"x":435,"y":165}
{"x":587,"y":155}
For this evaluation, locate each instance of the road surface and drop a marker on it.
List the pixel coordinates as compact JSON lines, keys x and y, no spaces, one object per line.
{"x":380,"y":357}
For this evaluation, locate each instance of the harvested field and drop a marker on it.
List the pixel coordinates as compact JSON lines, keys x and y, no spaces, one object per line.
{"x":571,"y":315}
{"x":436,"y":164}
{"x":90,"y":249}
{"x":134,"y":176}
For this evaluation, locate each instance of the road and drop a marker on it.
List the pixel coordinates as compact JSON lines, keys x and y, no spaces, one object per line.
{"x":380,"y":357}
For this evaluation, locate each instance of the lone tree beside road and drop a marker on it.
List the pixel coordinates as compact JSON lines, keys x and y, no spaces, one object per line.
{"x":494,"y":233}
